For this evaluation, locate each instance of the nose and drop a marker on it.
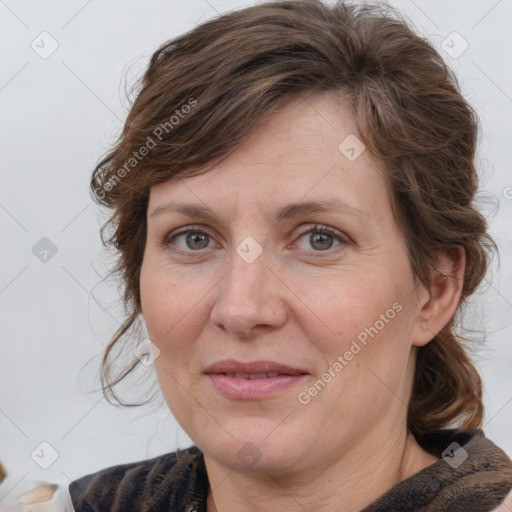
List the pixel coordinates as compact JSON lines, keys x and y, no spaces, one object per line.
{"x":250,"y":298}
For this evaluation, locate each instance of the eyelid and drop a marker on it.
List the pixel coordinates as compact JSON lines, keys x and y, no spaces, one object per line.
{"x":169,"y":237}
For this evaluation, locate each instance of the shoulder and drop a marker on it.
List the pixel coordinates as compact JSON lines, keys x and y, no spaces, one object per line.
{"x":152,"y":484}
{"x":472,"y":473}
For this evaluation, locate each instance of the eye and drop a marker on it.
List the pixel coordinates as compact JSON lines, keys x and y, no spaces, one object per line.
{"x":193,"y":239}
{"x":321,"y":237}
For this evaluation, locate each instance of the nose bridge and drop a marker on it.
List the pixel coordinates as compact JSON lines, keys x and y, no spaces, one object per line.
{"x":244,"y":284}
{"x":246,"y":296}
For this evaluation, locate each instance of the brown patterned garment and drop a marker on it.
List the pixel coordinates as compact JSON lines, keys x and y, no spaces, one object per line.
{"x":476,"y":478}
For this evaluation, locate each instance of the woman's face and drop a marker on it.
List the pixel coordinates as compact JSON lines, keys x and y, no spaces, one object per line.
{"x":323,"y":321}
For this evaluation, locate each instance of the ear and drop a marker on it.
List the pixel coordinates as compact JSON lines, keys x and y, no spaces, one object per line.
{"x":438,"y":304}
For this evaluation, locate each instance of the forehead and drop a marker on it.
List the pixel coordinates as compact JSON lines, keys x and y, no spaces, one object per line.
{"x":308,"y":151}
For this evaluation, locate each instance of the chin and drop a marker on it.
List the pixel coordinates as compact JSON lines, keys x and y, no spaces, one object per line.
{"x":254,"y":446}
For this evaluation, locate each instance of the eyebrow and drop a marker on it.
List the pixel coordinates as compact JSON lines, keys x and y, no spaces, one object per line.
{"x":286,"y":212}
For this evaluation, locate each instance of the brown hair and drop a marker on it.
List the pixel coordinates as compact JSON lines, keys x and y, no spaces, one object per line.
{"x":206,"y":91}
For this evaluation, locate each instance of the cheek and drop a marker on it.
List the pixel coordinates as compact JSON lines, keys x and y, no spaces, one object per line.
{"x":169,"y":302}
{"x":366,"y":321}
{"x":171,"y":312}
{"x":364,"y":358}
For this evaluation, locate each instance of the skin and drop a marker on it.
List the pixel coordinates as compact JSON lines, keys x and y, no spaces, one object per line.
{"x":297,"y":304}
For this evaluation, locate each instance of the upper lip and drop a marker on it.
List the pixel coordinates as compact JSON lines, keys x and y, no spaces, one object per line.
{"x":233,"y":366}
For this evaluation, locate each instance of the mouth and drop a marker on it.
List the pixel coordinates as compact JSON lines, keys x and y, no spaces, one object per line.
{"x":252,"y":376}
{"x":254,"y":380}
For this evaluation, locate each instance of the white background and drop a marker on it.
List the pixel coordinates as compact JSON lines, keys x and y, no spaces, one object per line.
{"x":58,"y":116}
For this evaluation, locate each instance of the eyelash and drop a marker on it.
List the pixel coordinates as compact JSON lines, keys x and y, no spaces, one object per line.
{"x":317,"y":228}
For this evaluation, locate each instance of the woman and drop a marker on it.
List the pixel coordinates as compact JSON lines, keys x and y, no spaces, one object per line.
{"x":292,"y":202}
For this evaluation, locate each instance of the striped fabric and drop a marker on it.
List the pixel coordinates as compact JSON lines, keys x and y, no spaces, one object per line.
{"x":472,"y":474}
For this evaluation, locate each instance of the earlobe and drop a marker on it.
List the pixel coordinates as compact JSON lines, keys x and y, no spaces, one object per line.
{"x":443,"y":296}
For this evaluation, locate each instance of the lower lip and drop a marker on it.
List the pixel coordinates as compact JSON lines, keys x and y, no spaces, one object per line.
{"x":253,"y":389}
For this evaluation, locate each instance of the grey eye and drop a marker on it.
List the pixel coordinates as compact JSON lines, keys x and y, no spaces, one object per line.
{"x":321,"y":241}
{"x":196,"y":240}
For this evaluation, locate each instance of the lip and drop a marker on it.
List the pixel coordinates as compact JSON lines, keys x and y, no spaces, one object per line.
{"x":233,"y":366}
{"x":253,"y":389}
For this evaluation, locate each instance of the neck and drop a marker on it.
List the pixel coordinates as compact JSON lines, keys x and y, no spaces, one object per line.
{"x":348,"y":483}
